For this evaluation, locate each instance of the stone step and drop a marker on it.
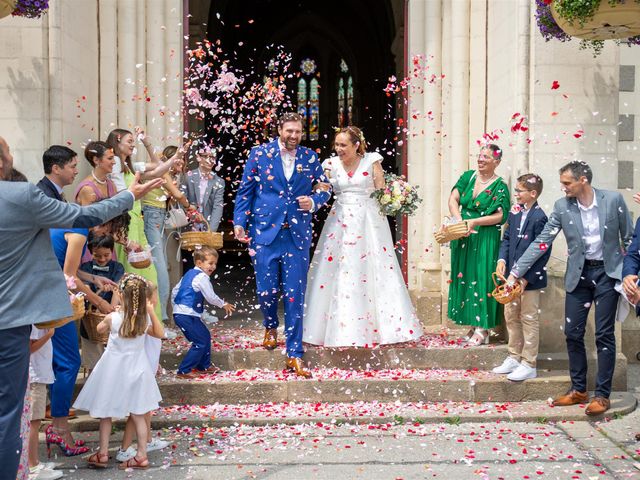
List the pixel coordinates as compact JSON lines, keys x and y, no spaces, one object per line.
{"x":223,"y":415}
{"x":432,"y":352}
{"x":335,"y":385}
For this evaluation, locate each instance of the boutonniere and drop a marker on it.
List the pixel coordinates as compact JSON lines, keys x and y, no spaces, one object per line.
{"x":299,"y":168}
{"x":516,"y":208}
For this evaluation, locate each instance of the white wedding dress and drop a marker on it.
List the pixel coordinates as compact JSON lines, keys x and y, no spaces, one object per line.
{"x":356,"y":295}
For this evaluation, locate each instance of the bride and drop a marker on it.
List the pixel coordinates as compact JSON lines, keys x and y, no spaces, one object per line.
{"x":356,"y":295}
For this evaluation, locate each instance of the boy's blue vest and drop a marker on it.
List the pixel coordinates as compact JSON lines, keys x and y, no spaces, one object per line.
{"x":187,"y":296}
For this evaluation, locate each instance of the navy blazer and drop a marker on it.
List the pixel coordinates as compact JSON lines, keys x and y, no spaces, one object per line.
{"x":631,"y":261}
{"x":49,"y":189}
{"x":515,"y":243}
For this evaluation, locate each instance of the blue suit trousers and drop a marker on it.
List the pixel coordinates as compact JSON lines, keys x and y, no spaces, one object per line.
{"x":281,"y":272}
{"x":199,"y":355}
{"x":14,"y":375}
{"x":66,"y":363}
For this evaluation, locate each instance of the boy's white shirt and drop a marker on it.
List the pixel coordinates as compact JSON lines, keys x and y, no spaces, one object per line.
{"x":201,"y":283}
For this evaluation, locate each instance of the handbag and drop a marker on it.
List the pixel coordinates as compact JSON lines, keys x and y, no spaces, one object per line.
{"x":176,"y":218}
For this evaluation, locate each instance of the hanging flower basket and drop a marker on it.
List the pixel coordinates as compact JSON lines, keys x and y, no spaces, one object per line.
{"x":30,"y":8}
{"x":7,"y":7}
{"x":610,"y":20}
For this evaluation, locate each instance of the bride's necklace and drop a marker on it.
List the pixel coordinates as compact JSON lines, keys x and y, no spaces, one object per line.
{"x":481,"y":182}
{"x":101,"y":182}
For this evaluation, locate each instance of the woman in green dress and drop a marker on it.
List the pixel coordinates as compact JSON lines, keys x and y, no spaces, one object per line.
{"x":482,"y":199}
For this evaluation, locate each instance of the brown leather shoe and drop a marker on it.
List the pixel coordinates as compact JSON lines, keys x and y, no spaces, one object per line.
{"x":186,"y":376}
{"x":47,"y":413}
{"x":598,"y":406}
{"x":572,"y":397}
{"x":270,"y":341}
{"x":297,"y":365}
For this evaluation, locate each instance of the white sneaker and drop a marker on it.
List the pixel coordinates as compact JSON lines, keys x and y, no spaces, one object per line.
{"x":157,"y":444}
{"x":523,"y":372}
{"x":209,"y":317}
{"x":508,"y":366}
{"x":170,"y":333}
{"x":39,"y":472}
{"x":124,"y":455}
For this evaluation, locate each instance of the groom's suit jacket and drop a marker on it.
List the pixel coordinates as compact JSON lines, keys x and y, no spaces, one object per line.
{"x":615,"y":232}
{"x":266,"y":200}
{"x":32,"y":286}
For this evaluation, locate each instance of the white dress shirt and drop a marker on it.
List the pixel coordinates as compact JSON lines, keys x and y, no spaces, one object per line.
{"x":591,"y":227}
{"x":288,"y":161}
{"x":201,"y":283}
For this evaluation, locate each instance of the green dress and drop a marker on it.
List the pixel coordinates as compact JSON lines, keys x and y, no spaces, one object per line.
{"x":473,"y":258}
{"x":136,"y":234}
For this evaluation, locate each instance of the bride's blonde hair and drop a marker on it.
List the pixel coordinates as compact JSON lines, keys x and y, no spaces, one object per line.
{"x":355,"y":136}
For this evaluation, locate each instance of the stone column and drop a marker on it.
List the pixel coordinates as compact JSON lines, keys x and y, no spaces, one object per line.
{"x":173,"y":70}
{"x":126,"y":55}
{"x":155,"y":69}
{"x":140,"y":71}
{"x":108,"y":78}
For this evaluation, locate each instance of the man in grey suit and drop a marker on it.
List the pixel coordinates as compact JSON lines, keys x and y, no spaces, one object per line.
{"x":205,"y":189}
{"x":32,"y":285}
{"x":598,"y":230}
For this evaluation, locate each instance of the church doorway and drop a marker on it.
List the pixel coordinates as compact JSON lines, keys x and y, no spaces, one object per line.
{"x":340,"y":53}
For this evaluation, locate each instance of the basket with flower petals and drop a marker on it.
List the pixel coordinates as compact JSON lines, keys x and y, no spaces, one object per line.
{"x":505,"y":292}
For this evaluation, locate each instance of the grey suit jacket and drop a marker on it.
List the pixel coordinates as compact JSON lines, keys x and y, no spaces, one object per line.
{"x":615,"y":230}
{"x":32,"y":285}
{"x":211,"y":205}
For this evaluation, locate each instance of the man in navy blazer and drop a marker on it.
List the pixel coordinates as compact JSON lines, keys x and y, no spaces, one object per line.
{"x":275,"y":203}
{"x":60,"y":169}
{"x":32,"y":286}
{"x":526,"y":221}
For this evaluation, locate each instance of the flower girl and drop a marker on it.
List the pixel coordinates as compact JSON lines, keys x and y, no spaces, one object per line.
{"x":122,"y":382}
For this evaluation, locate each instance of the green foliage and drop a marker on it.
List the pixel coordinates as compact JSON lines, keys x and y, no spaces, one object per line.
{"x":455,"y":420}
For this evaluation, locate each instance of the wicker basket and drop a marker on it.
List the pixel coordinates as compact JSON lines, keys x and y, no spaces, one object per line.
{"x":139,"y":259}
{"x":450,"y":232}
{"x":504,"y":292}
{"x":77,"y":305}
{"x":90,"y":321}
{"x":193,"y":240}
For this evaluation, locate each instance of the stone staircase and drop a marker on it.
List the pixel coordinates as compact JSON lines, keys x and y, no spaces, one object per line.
{"x":437,"y":368}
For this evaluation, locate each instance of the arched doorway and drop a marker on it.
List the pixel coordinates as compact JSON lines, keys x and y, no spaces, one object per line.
{"x":341,"y":54}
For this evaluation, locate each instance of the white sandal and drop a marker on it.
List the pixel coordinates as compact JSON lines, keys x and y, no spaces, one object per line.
{"x":480,"y":337}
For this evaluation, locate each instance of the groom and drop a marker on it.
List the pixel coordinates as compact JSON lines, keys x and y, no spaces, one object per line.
{"x":276,"y":201}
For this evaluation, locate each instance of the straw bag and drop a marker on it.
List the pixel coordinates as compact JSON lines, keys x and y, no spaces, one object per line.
{"x":140,"y":259}
{"x":505,"y":293}
{"x":90,"y":321}
{"x":193,"y":240}
{"x":77,"y":305}
{"x":452,"y":231}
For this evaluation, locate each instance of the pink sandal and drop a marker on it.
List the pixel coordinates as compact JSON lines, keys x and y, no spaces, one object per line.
{"x":135,"y":464}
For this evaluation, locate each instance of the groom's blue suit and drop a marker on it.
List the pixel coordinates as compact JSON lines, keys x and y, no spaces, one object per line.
{"x":267,"y":208}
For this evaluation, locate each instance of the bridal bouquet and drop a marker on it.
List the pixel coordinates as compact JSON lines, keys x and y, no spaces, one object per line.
{"x":397,"y":196}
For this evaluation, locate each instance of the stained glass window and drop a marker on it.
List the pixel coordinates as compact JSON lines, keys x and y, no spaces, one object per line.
{"x":345,"y":96}
{"x":314,"y":110}
{"x":308,"y":98}
{"x":341,"y":104}
{"x":302,"y":103}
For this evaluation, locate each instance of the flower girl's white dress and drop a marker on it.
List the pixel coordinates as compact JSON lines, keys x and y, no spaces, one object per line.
{"x":122,"y":381}
{"x":356,"y":295}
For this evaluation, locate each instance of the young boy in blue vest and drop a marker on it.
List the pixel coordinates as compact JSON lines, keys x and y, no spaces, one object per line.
{"x":188,"y":298}
{"x":526,"y":221}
